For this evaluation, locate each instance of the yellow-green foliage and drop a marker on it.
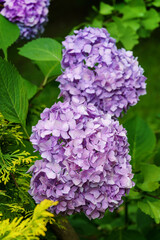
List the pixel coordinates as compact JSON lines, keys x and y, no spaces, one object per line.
{"x":10,"y":130}
{"x":29,"y":228}
{"x":10,"y":161}
{"x":14,"y":207}
{"x":10,"y":136}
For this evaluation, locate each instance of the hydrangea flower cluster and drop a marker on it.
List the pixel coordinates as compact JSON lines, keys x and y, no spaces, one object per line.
{"x":85,"y":157}
{"x":29,"y":15}
{"x":96,"y":70}
{"x":85,"y":162}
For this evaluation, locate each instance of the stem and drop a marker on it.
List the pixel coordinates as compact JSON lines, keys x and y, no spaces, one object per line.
{"x":1,"y":157}
{"x":25,"y":130}
{"x":126,"y":213}
{"x":5,"y":55}
{"x":14,"y":180}
{"x":147,"y":194}
{"x":41,"y":87}
{"x":46,"y":77}
{"x":65,"y":231}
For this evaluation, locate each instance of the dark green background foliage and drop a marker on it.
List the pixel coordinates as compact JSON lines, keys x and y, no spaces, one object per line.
{"x":27,"y":86}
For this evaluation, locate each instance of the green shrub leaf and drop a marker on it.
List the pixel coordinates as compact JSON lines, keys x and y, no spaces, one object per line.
{"x":13,"y":96}
{"x":134,"y":9}
{"x":151,"y":176}
{"x":49,"y":68}
{"x":30,"y":88}
{"x":141,"y":139}
{"x":42,"y":49}
{"x":151,"y":19}
{"x":123,"y":33}
{"x":152,"y":208}
{"x":9,"y":33}
{"x":156,"y":3}
{"x":105,"y":9}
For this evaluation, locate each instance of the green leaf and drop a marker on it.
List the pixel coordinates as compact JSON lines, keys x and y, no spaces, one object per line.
{"x":9,"y":33}
{"x":98,"y":21}
{"x":126,"y":235}
{"x":30,"y":88}
{"x":105,"y":9}
{"x":151,"y":19}
{"x":156,"y":3}
{"x":123,"y":33}
{"x":143,"y":33}
{"x":152,"y":208}
{"x":134,"y":194}
{"x":42,"y":49}
{"x":13,"y":97}
{"x":49,"y":68}
{"x":129,"y":38}
{"x":113,"y":30}
{"x":151,"y":175}
{"x":141,"y":139}
{"x":150,"y":172}
{"x":134,"y":9}
{"x":148,"y":186}
{"x":133,"y":23}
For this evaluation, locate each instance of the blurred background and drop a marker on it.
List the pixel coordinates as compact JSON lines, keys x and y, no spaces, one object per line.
{"x":135,"y":25}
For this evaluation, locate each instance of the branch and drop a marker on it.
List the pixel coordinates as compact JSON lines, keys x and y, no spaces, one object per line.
{"x":14,"y":180}
{"x":41,"y":87}
{"x":147,"y":194}
{"x":150,"y":195}
{"x":126,"y":213}
{"x":65,"y":231}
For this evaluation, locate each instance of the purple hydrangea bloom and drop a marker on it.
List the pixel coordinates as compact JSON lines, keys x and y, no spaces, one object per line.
{"x":108,"y":77}
{"x":85,"y":162}
{"x":30,"y":15}
{"x":89,"y":44}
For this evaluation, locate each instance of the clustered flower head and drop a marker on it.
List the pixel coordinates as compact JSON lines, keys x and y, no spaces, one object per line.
{"x":29,"y":15}
{"x":106,"y":76}
{"x":85,"y":162}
